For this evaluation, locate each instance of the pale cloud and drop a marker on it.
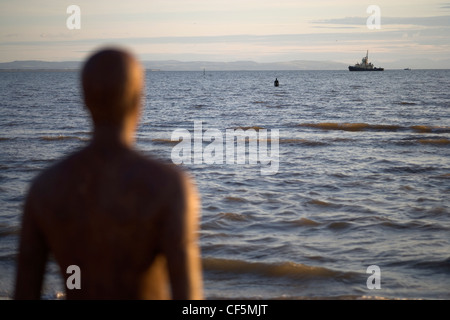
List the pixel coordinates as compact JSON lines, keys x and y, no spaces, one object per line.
{"x":434,"y":21}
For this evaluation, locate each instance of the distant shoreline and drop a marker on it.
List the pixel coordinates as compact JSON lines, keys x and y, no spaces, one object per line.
{"x":231,"y":70}
{"x":243,"y":65}
{"x":38,"y":70}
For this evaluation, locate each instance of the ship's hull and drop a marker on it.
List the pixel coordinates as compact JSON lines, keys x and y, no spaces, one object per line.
{"x":351,"y":68}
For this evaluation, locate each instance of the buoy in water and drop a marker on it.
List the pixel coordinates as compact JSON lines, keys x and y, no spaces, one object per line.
{"x":276,"y":83}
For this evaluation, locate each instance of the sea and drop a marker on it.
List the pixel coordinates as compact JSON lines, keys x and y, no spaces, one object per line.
{"x":356,"y":204}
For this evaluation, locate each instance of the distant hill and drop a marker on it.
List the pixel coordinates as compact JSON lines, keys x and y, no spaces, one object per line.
{"x":173,"y":65}
{"x":418,"y":64}
{"x":37,"y":65}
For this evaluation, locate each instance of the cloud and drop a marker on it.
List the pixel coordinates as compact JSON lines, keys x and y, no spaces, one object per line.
{"x":435,"y":21}
{"x":246,"y":41}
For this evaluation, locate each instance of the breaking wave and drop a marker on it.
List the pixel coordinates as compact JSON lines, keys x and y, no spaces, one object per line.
{"x":62,"y":137}
{"x":274,"y":270}
{"x":304,"y":222}
{"x":375,"y":127}
{"x":305,"y":142}
{"x":442,"y":141}
{"x":256,"y":128}
{"x":165,"y":141}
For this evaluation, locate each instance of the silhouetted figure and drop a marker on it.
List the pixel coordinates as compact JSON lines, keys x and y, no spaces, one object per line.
{"x":128,"y":222}
{"x":276,"y":83}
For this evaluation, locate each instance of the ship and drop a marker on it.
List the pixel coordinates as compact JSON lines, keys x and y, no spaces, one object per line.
{"x":365,"y":65}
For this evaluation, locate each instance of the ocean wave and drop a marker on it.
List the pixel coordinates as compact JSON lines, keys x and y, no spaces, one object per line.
{"x":256,"y":128}
{"x":235,"y":199}
{"x":413,"y":225}
{"x":441,"y":265}
{"x":375,"y":127}
{"x":287,"y":269}
{"x":350,"y":126}
{"x":437,"y":265}
{"x":405,"y":103}
{"x":165,"y":141}
{"x":310,"y":298}
{"x":199,"y":106}
{"x":319,"y":203}
{"x":442,"y":176}
{"x":8,"y":230}
{"x":339,"y":225}
{"x":442,"y":141}
{"x":432,"y":141}
{"x":304,"y":222}
{"x":412,"y":169}
{"x":277,"y":106}
{"x":310,"y":143}
{"x":233,"y":216}
{"x":430,"y":129}
{"x":62,"y":137}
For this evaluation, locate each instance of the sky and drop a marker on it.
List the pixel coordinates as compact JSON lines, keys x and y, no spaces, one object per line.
{"x":228,"y":30}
